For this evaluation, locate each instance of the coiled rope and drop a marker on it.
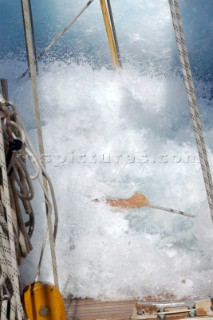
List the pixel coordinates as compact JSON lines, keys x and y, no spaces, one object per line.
{"x":15,"y":187}
{"x":10,"y":289}
{"x":26,"y":14}
{"x":192,"y":100}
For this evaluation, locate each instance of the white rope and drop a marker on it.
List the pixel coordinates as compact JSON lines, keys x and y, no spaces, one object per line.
{"x":65,"y":29}
{"x":39,"y":131}
{"x":37,"y":164}
{"x":20,"y":188}
{"x":183,"y":213}
{"x":8,"y":246}
{"x":192,"y":100}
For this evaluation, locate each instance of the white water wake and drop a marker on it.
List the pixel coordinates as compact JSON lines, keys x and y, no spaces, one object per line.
{"x":111,"y":134}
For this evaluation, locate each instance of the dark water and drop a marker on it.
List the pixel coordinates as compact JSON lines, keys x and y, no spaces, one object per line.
{"x":86,"y":39}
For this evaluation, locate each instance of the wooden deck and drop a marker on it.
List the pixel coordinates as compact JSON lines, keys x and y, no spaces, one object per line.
{"x":88,"y":309}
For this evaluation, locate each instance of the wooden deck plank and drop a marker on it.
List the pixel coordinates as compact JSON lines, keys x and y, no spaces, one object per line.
{"x":88,"y":309}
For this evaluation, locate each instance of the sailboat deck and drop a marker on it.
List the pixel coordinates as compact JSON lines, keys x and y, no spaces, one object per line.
{"x":88,"y":309}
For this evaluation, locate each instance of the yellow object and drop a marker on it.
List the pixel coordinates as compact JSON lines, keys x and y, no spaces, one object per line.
{"x":136,"y":201}
{"x":110,"y":34}
{"x":43,"y":301}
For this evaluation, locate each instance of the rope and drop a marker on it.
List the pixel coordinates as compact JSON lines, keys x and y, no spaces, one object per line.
{"x":192,"y":100}
{"x":37,"y":164}
{"x":20,"y":189}
{"x":59,"y":35}
{"x":183,"y":213}
{"x":9,"y":268}
{"x":39,"y":131}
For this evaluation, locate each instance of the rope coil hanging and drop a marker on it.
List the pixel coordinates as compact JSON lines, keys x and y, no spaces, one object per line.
{"x":9,"y":268}
{"x":14,"y":237}
{"x":192,"y":100}
{"x":26,"y":14}
{"x":16,"y":193}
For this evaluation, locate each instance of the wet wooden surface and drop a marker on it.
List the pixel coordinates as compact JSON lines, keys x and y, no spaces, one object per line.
{"x":88,"y":309}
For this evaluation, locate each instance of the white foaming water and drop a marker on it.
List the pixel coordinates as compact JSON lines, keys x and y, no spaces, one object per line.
{"x":108,"y":135}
